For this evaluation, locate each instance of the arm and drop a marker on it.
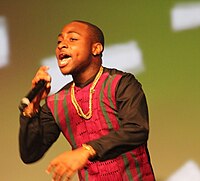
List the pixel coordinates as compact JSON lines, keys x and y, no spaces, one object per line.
{"x":133,"y":114}
{"x":38,"y":129}
{"x":37,"y":134}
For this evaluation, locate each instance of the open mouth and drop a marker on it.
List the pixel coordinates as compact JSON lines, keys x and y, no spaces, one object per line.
{"x":64,"y":56}
{"x":64,"y":59}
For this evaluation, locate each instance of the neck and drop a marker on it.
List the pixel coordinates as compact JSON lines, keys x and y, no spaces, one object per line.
{"x":78,"y":108}
{"x":86,"y":74}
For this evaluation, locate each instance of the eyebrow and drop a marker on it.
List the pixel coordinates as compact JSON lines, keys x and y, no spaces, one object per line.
{"x":69,"y":32}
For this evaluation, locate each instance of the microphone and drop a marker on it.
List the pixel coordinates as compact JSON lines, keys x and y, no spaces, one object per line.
{"x":25,"y":101}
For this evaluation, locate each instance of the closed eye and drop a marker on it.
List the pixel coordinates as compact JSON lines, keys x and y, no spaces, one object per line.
{"x":73,"y":39}
{"x":58,"y":42}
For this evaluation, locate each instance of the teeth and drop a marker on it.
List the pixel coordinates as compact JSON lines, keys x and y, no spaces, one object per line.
{"x":65,"y":61}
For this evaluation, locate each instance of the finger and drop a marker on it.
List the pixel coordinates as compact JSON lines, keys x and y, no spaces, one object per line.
{"x":48,"y":85}
{"x":42,"y":73}
{"x":69,"y":173}
{"x":59,"y":172}
{"x":51,"y":167}
{"x":66,"y":177}
{"x":49,"y":170}
{"x":42,"y":70}
{"x":45,"y":68}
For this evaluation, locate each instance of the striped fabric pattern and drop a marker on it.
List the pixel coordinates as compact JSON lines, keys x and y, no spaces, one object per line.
{"x":133,"y":165}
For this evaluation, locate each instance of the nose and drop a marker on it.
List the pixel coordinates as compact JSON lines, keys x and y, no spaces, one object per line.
{"x":62,"y":45}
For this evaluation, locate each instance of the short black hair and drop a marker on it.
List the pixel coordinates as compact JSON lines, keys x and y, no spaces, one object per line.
{"x":96,"y":32}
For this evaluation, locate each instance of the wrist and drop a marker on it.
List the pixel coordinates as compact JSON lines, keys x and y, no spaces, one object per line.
{"x":29,"y":114}
{"x":90,"y":150}
{"x":30,"y":111}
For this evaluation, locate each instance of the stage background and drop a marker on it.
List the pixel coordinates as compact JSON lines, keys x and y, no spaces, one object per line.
{"x":170,"y":74}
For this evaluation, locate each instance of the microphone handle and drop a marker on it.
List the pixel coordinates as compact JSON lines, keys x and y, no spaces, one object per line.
{"x":25,"y":101}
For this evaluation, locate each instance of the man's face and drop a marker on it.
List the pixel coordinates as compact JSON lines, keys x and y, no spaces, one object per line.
{"x":74,"y":48}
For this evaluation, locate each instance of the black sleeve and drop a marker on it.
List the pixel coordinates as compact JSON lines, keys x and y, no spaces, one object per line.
{"x":133,"y":114}
{"x":37,"y":134}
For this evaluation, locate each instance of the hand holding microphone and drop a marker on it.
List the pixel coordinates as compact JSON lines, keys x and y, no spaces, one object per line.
{"x":40,"y":90}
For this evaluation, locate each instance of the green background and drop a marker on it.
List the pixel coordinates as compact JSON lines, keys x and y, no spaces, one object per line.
{"x":170,"y":80}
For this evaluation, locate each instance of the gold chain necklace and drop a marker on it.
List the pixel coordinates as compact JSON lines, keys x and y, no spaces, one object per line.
{"x":79,"y":110}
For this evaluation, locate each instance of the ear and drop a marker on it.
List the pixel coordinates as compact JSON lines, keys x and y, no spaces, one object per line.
{"x":97,"y":49}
